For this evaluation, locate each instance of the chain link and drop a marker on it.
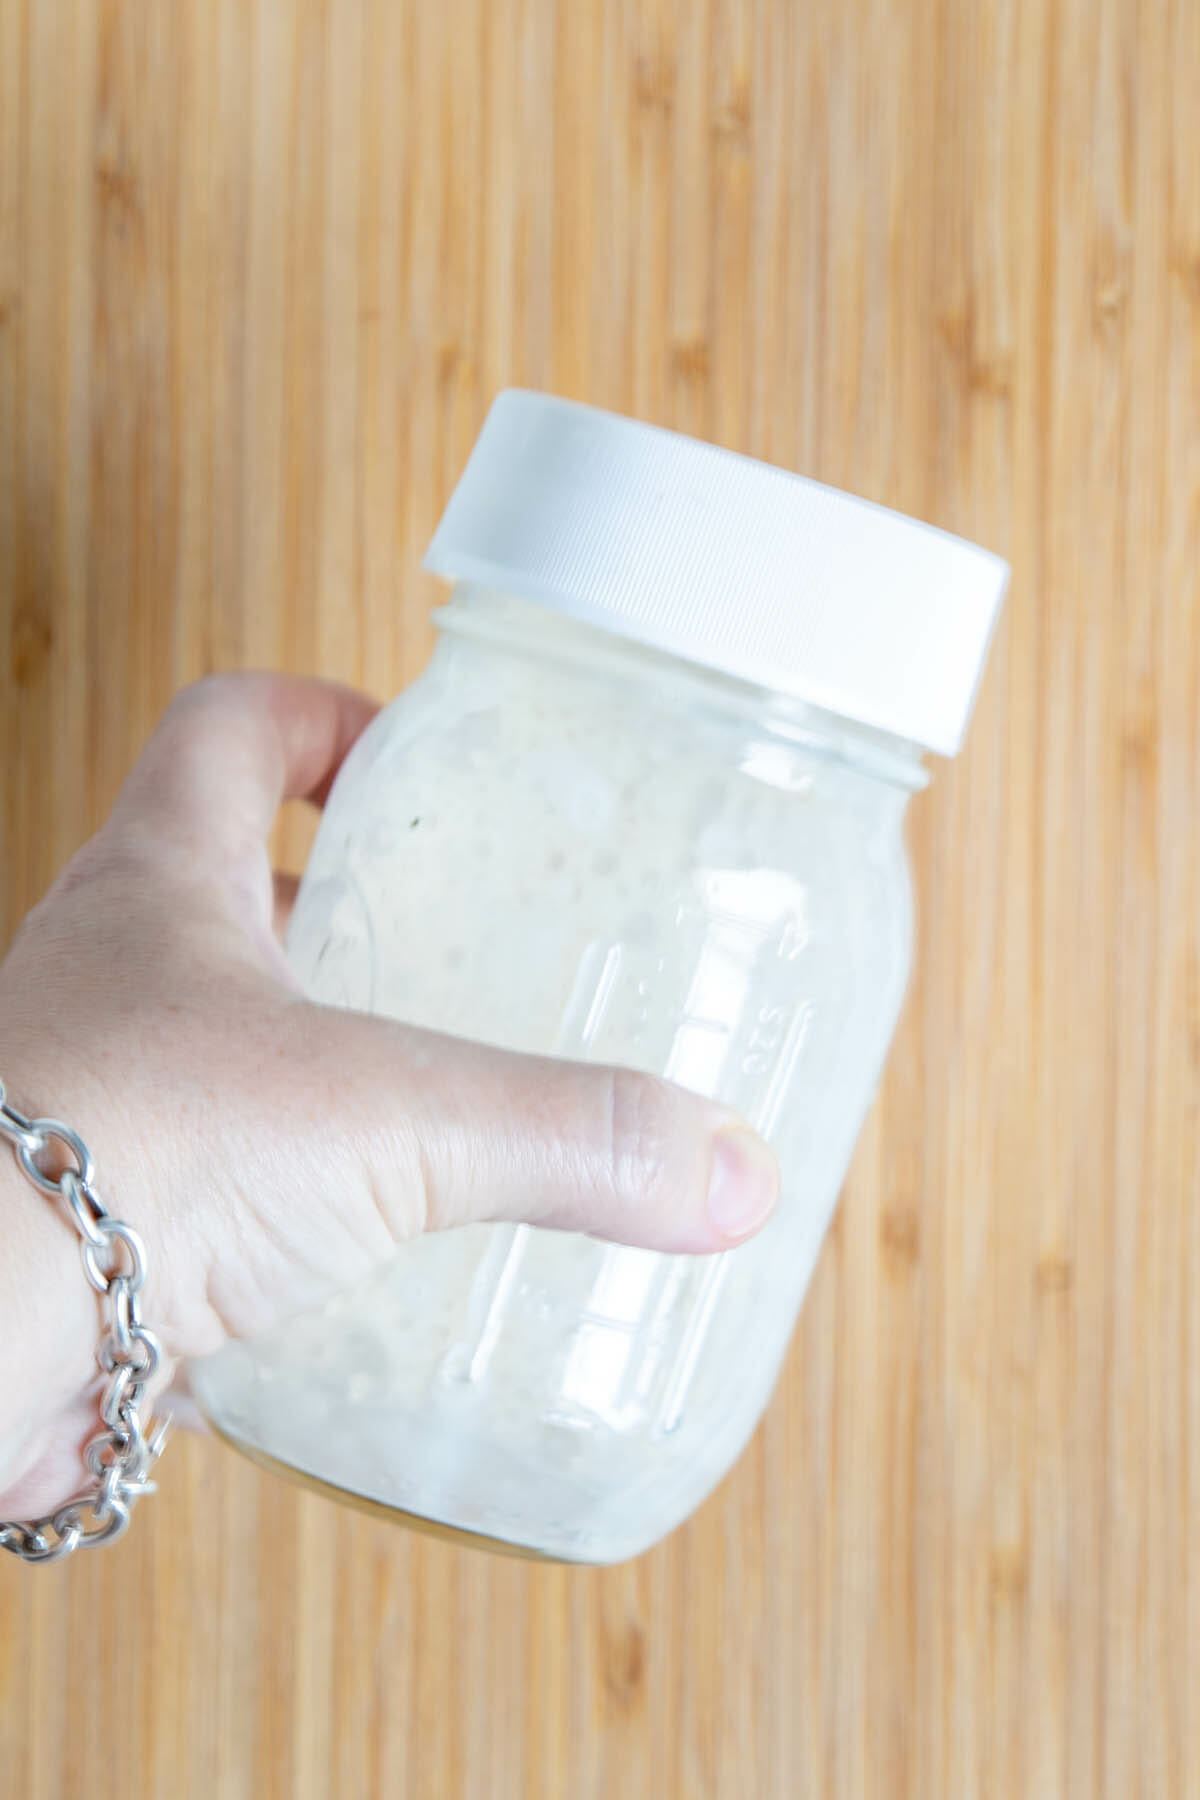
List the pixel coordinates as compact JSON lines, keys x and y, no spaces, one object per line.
{"x":120,"y":1457}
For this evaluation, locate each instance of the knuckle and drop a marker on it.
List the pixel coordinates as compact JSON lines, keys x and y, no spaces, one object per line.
{"x":202,"y":707}
{"x":174,"y":771}
{"x":639,"y":1134}
{"x":209,"y":691}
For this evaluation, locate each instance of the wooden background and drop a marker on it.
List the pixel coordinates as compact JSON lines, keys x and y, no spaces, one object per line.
{"x":262,"y":267}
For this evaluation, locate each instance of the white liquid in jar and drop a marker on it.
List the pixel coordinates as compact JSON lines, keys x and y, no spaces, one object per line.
{"x":545,"y":860}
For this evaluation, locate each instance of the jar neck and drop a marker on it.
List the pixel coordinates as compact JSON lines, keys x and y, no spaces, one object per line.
{"x":526,"y":627}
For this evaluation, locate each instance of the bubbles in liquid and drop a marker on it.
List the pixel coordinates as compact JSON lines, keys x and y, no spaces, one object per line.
{"x":571,"y":870}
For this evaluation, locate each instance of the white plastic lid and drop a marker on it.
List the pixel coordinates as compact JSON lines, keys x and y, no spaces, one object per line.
{"x":725,"y":561}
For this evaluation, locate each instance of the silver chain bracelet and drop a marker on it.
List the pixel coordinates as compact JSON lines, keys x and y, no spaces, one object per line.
{"x":121,"y":1456}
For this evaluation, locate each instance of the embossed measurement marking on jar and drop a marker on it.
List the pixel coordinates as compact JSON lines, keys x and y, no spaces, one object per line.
{"x":591,"y":993}
{"x":633,"y":1289}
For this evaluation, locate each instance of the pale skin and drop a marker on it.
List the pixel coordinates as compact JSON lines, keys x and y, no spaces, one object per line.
{"x":270,"y":1150}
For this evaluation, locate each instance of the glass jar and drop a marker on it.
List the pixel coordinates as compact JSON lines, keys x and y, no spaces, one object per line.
{"x":594,"y":827}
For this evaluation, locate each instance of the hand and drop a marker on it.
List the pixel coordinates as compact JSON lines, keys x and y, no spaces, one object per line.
{"x":269,"y":1149}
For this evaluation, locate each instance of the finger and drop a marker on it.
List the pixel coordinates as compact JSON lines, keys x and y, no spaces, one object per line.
{"x":285,"y":888}
{"x":230,"y":748}
{"x":453,"y":1132}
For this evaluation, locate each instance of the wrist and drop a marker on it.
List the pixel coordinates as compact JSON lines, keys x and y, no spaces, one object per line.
{"x":47,"y":1361}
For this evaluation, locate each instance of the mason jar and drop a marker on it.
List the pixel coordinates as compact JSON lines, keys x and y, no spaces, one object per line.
{"x":644,"y":807}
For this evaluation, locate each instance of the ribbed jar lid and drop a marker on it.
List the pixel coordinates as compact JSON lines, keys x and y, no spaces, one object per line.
{"x":726,"y":561}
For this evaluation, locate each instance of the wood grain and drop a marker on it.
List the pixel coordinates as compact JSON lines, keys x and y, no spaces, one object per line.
{"x":262,"y":267}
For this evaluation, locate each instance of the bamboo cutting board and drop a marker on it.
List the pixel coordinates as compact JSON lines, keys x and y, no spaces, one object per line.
{"x":262,"y":267}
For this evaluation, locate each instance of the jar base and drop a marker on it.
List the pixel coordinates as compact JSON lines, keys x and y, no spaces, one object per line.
{"x":393,"y":1515}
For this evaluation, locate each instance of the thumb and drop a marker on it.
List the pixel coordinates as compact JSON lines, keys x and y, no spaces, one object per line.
{"x":452,"y":1132}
